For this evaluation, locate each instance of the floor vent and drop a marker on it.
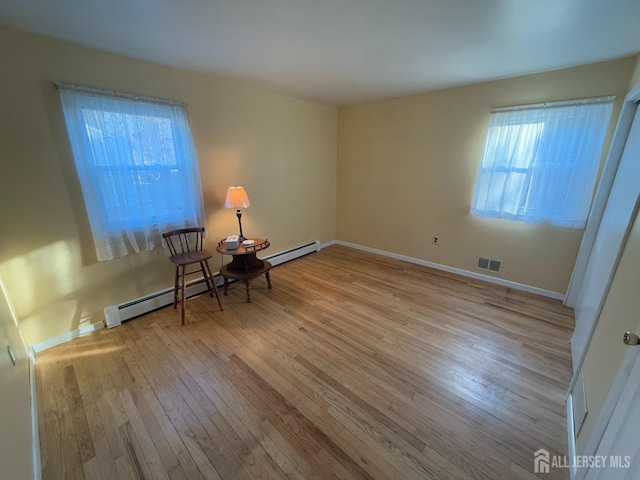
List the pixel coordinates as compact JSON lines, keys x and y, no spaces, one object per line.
{"x":489,"y":264}
{"x":116,"y":314}
{"x":579,"y":399}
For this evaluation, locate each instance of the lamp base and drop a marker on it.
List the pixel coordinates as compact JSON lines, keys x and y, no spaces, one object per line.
{"x":242,"y":238}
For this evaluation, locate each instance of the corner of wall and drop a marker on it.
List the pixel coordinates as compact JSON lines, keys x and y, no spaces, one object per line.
{"x":635,"y":76}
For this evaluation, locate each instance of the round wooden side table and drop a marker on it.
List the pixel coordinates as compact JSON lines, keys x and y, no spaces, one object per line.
{"x":245,"y":265}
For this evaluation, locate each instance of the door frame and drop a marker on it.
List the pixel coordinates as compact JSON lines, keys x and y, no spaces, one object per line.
{"x":629,"y":109}
{"x":621,"y":377}
{"x":618,"y":142}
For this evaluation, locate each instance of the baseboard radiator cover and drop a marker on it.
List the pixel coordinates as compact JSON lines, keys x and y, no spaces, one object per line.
{"x":116,"y":314}
{"x":293,"y":253}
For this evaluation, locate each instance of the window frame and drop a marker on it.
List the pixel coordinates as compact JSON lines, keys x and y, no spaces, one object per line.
{"x":132,"y":125}
{"x":537,"y":158}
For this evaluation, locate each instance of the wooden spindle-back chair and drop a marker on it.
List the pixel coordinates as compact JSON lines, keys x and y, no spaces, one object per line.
{"x":185,"y":247}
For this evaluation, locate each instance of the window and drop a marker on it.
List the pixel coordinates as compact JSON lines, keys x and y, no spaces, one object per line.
{"x":540,"y":162}
{"x":137,"y":166}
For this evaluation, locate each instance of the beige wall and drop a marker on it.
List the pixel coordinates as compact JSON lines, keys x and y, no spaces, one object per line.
{"x":282,"y":150}
{"x":635,"y":79}
{"x":407,"y":168}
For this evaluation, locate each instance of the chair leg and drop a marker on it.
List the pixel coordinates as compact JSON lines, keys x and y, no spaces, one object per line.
{"x":268,"y":275}
{"x":184,"y":293}
{"x":175,"y":289}
{"x":214,"y":288}
{"x":208,"y":277}
{"x":248,"y":284}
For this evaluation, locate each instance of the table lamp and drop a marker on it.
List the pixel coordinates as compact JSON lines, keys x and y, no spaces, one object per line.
{"x":237,"y":198}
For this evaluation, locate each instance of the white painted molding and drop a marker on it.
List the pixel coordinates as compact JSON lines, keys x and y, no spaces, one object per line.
{"x":116,"y":314}
{"x":35,"y":432}
{"x":33,"y":401}
{"x":571,"y":436}
{"x":465,"y":273}
{"x":279,"y":258}
{"x":66,"y":337}
{"x":327,"y":244}
{"x":610,"y":404}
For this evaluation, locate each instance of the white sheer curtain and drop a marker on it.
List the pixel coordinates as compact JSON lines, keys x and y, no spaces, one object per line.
{"x":540,"y":163}
{"x":137,"y":165}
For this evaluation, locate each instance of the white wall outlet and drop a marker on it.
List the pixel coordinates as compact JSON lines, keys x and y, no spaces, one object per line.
{"x":435,"y":240}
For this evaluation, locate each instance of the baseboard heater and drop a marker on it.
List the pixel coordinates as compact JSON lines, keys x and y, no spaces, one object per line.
{"x":116,"y":314}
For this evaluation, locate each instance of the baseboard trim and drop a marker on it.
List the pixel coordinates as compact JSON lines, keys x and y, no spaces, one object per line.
{"x":285,"y":256}
{"x":571,"y":436}
{"x":66,"y":337}
{"x":116,"y":314}
{"x":465,"y":273}
{"x":327,"y":244}
{"x":35,"y":431}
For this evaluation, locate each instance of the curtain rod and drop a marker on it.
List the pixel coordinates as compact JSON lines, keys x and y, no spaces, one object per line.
{"x":566,"y":103}
{"x":114,"y":93}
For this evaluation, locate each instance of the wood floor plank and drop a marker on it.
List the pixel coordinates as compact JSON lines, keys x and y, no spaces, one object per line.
{"x":124,"y":469}
{"x":354,"y":366}
{"x":51,"y":444}
{"x":180,"y":416}
{"x":219,"y":423}
{"x":135,"y":453}
{"x":105,"y":459}
{"x":99,"y":419}
{"x":211,"y":438}
{"x":297,"y":422}
{"x":81,"y":426}
{"x":71,"y":453}
{"x":308,"y":398}
{"x":244,"y":420}
{"x":138,"y":434}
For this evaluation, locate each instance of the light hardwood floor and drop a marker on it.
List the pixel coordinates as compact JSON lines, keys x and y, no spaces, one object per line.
{"x":353,"y":366}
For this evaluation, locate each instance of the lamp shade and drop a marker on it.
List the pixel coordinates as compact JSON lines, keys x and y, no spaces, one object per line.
{"x":237,"y":198}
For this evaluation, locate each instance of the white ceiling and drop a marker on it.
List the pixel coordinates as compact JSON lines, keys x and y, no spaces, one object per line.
{"x":345,"y":51}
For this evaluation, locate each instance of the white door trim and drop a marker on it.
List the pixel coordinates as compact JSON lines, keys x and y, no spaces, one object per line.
{"x":616,"y":149}
{"x":620,"y":438}
{"x":578,"y":367}
{"x":621,"y":377}
{"x":609,"y":406}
